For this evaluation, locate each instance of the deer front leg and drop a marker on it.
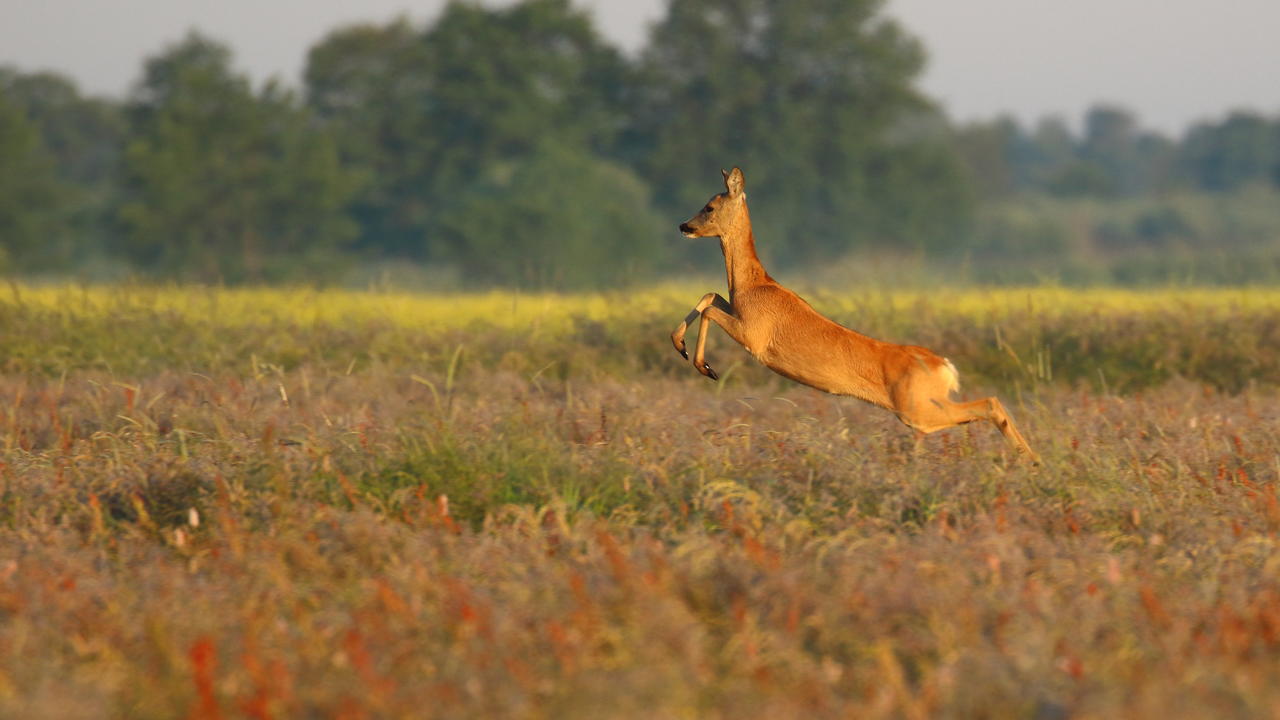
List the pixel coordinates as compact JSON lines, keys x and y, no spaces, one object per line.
{"x":677,"y":335}
{"x":721,"y":313}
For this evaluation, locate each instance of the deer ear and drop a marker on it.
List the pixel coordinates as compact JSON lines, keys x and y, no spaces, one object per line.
{"x":734,"y":182}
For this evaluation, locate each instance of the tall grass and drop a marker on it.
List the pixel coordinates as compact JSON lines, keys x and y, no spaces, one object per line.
{"x":1003,"y":337}
{"x":353,"y":505}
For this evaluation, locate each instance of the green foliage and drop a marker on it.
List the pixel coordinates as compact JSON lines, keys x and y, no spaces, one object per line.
{"x":985,"y":149}
{"x":1176,"y":237}
{"x":1081,"y":178}
{"x":84,"y":135}
{"x":505,"y":80}
{"x":438,"y":148}
{"x":427,"y":113}
{"x":920,"y":197}
{"x":1005,"y":339}
{"x":226,"y":184}
{"x":1243,"y":149}
{"x":369,"y":86}
{"x":1020,"y":230}
{"x":33,"y":202}
{"x":1115,"y":158}
{"x":803,"y":96}
{"x":558,"y":218}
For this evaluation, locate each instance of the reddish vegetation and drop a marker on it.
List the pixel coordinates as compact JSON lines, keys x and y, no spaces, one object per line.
{"x":317,"y":543}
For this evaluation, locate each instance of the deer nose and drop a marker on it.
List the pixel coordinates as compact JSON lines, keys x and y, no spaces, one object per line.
{"x":684,"y":228}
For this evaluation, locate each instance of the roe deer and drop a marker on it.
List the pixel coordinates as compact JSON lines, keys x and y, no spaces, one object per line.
{"x":789,"y":337}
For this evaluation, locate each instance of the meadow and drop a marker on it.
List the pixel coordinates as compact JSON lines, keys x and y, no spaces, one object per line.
{"x":293,"y":503}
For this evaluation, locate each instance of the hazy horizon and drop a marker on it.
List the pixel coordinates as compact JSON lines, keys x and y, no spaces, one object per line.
{"x":1171,"y":63}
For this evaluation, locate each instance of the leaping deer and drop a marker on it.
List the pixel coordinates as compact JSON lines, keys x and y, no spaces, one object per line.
{"x":789,"y":337}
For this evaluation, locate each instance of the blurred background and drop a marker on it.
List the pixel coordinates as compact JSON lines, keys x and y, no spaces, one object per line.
{"x":549,"y":144}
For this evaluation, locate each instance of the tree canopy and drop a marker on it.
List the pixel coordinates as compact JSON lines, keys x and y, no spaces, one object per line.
{"x":816,"y":97}
{"x":223,"y":183}
{"x":517,"y":146}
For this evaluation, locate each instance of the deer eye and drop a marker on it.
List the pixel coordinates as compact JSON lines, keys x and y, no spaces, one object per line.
{"x":707,"y":209}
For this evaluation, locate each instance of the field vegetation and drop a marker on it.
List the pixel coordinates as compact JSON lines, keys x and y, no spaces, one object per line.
{"x":288,"y":503}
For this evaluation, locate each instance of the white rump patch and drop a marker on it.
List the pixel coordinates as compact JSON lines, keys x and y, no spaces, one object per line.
{"x":953,"y":375}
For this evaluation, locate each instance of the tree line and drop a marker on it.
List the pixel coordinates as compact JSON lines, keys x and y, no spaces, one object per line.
{"x":1114,"y":157}
{"x":518,"y":147}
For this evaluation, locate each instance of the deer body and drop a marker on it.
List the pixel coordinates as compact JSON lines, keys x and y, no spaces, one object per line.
{"x":788,"y":336}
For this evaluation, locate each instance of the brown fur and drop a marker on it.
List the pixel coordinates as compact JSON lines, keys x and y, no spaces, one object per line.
{"x":789,"y":337}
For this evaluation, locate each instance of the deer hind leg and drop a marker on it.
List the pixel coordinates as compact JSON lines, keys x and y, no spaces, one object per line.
{"x":722,"y":316}
{"x":1000,"y":418}
{"x":677,"y":335}
{"x":934,"y":415}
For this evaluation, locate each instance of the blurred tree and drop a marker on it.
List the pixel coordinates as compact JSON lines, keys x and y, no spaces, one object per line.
{"x":989,"y":151}
{"x":557,"y":218}
{"x":505,"y":80}
{"x":1242,"y":149}
{"x":33,"y":203}
{"x":803,"y":95}
{"x":1134,"y":161}
{"x":1114,"y":158}
{"x":429,"y":114}
{"x":370,"y":85}
{"x":1156,"y":162}
{"x":85,"y":137}
{"x":226,"y":184}
{"x":1047,"y":149}
{"x":921,"y":195}
{"x":516,"y":143}
{"x":1109,"y":147}
{"x":1081,"y":178}
{"x":1053,"y":142}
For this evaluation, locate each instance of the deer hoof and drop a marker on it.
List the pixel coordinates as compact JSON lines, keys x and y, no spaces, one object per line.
{"x":706,"y":370}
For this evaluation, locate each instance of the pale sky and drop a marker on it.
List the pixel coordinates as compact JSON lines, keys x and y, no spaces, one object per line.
{"x":1171,"y":61}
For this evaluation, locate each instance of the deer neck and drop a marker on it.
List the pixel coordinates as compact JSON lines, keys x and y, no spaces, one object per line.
{"x":741,"y":263}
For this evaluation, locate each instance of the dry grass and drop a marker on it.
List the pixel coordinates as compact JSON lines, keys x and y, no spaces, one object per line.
{"x":523,"y":530}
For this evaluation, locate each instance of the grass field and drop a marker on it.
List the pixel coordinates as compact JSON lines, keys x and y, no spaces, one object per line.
{"x":220,"y":503}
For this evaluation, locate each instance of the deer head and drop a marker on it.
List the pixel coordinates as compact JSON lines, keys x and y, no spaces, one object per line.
{"x":722,"y":211}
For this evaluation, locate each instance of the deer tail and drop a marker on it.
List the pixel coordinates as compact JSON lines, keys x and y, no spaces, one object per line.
{"x":953,"y":376}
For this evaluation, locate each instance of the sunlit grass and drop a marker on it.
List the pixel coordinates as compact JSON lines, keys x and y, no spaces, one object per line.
{"x":237,"y":307}
{"x":1122,"y":339}
{"x":552,"y":312}
{"x":293,"y":503}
